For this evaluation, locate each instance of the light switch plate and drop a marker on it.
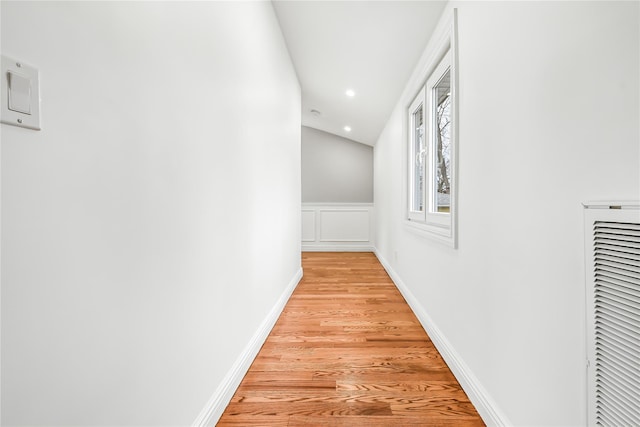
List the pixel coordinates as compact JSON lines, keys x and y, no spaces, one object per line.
{"x":19,"y":94}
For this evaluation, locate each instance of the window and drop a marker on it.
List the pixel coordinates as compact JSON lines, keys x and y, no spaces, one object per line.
{"x":442,"y":143}
{"x":431,"y":150}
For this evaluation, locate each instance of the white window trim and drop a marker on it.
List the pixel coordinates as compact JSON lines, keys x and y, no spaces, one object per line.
{"x":412,"y":214}
{"x":436,"y":226}
{"x":435,"y":218}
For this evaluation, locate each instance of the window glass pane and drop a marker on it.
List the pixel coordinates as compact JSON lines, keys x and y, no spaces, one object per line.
{"x":442,"y":158}
{"x":418,"y":160}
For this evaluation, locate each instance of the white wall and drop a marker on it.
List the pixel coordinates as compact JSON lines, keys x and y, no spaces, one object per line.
{"x":335,"y":169}
{"x":549,"y":117}
{"x":135,"y":261}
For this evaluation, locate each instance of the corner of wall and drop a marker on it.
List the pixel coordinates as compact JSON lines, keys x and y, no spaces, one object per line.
{"x":491,"y":414}
{"x":218,"y":402}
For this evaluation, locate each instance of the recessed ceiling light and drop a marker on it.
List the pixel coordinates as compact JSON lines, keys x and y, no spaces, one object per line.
{"x":347,"y":128}
{"x":350,"y":93}
{"x":316,"y":113}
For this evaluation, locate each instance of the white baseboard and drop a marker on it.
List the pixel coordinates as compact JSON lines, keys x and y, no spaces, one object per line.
{"x":223,"y":394}
{"x":337,"y":248}
{"x":480,"y":398}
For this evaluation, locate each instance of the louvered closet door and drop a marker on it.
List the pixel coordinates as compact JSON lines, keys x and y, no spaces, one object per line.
{"x":613,"y":313}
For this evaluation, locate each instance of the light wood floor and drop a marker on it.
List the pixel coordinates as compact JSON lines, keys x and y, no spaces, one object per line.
{"x":348,"y":351}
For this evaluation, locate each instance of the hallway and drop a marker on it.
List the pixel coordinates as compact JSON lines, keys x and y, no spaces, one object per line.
{"x":348,"y":351}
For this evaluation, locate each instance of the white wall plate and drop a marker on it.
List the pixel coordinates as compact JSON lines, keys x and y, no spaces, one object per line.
{"x":19,"y":94}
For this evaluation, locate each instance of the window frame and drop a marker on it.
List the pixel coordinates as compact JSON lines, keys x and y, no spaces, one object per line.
{"x":437,"y":218}
{"x":416,"y":215}
{"x":440,"y":226}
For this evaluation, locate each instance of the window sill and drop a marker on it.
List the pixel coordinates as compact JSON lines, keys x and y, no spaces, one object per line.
{"x":439,"y":233}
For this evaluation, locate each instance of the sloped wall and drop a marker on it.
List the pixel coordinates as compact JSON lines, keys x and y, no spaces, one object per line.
{"x":335,"y":169}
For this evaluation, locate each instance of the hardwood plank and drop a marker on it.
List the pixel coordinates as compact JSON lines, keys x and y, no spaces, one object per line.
{"x":289,"y":385}
{"x":452,"y":397}
{"x":321,"y":409}
{"x":348,"y":351}
{"x":431,"y":387}
{"x":380,"y":421}
{"x":253,"y":420}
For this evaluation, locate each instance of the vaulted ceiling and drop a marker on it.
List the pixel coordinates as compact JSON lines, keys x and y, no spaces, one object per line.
{"x":367,"y":47}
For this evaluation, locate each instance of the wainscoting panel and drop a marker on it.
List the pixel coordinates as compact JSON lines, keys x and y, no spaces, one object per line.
{"x":344,"y":225}
{"x":337,"y":227}
{"x":308,"y":225}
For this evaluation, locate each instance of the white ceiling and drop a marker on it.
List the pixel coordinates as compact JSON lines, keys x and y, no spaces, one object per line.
{"x":370,"y":47}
